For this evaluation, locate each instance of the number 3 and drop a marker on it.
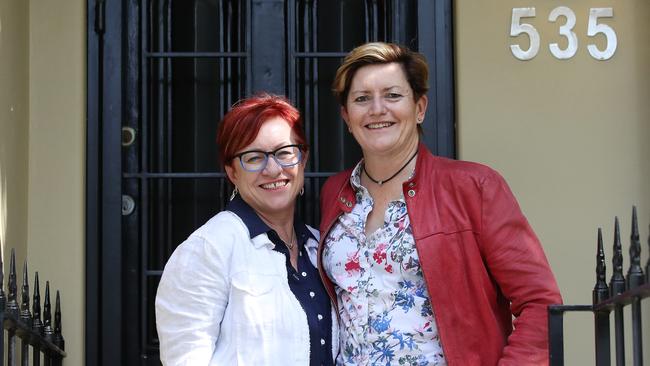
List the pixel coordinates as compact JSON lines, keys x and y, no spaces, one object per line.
{"x":566,"y":31}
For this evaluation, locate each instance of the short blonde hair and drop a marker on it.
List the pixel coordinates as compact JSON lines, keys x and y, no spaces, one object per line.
{"x":413,"y":63}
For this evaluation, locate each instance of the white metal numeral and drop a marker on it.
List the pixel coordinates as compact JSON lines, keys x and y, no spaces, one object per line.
{"x":566,"y":31}
{"x":518,"y":28}
{"x":593,"y":28}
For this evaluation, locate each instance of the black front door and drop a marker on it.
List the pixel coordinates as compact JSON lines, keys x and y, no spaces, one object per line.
{"x":161,"y":74}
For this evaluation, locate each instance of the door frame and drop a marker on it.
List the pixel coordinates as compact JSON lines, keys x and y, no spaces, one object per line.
{"x":103,"y":325}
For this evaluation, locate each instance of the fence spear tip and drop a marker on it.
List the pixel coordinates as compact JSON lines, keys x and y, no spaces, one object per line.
{"x":25,"y":270}
{"x":635,"y":224}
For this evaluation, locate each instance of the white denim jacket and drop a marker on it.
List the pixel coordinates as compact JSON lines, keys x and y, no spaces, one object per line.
{"x":224,"y":299}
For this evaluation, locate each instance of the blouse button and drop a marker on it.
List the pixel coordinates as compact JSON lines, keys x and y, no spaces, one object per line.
{"x":322,"y":342}
{"x":411,"y":184}
{"x":320,"y":317}
{"x":304,"y":274}
{"x":312,"y":294}
{"x":411,"y":193}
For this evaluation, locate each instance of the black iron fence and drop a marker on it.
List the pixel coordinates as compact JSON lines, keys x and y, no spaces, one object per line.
{"x":42,"y":336}
{"x":622,"y":291}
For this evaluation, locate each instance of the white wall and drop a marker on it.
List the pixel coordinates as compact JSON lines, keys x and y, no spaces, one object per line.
{"x":56,"y":246}
{"x":14,"y":126}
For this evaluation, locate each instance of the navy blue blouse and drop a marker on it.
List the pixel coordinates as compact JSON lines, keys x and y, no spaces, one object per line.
{"x":305,"y":283}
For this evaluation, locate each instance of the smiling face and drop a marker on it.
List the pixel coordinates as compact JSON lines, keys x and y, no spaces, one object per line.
{"x":271,"y":191}
{"x":380,"y":110}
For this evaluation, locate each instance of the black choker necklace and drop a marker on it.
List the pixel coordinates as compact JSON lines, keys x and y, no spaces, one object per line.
{"x":380,"y":182}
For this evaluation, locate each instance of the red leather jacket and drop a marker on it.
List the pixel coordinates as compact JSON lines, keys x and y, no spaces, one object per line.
{"x":481,"y":260}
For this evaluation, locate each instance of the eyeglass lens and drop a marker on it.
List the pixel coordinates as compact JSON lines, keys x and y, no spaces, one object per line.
{"x":256,"y":160}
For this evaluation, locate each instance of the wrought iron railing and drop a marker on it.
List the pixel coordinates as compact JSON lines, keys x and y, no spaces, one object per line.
{"x":621,"y":292}
{"x":42,"y":336}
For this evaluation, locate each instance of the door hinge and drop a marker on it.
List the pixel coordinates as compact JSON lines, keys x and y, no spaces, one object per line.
{"x":100,"y":16}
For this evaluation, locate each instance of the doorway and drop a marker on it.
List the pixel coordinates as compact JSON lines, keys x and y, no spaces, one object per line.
{"x":161,"y":74}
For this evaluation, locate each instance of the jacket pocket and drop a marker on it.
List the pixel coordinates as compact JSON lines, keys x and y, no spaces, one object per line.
{"x":254,"y":284}
{"x":255,"y":301}
{"x":255,"y":306}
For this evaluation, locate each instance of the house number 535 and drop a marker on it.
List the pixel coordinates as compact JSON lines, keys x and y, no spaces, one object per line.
{"x":594,"y":28}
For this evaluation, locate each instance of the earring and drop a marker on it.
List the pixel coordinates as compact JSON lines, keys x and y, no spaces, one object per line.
{"x":234,"y":193}
{"x":302,"y":191}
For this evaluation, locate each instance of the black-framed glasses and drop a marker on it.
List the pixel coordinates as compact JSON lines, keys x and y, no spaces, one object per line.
{"x":256,"y":160}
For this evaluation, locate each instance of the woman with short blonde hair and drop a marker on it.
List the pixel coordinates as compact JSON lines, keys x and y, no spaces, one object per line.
{"x":429,"y":260}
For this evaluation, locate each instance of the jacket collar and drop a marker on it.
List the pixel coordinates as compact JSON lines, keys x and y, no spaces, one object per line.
{"x":258,"y":229}
{"x":346,"y":195}
{"x":425,"y":171}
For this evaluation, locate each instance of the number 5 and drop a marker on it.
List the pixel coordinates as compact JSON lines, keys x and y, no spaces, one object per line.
{"x":517,"y":28}
{"x":594,"y":28}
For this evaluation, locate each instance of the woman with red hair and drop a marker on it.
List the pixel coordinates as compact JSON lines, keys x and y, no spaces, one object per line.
{"x":243,"y":289}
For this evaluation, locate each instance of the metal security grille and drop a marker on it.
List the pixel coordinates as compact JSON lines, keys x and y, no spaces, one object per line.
{"x":182,"y":65}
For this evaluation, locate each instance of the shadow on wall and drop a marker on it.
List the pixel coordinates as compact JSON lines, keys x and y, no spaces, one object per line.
{"x":3,"y":213}
{"x":3,"y":190}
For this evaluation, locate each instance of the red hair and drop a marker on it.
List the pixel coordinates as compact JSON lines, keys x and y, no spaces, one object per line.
{"x":240,"y":126}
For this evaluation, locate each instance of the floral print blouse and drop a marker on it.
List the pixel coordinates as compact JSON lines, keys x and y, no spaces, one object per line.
{"x":386,"y":315}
